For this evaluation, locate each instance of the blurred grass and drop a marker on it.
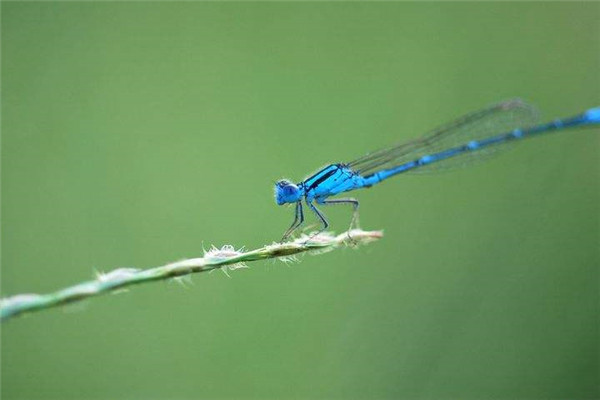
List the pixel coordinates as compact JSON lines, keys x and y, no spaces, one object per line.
{"x":123,"y":121}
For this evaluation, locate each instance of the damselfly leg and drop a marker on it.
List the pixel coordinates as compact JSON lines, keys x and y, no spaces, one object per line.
{"x":354,"y":203}
{"x":298,"y":220}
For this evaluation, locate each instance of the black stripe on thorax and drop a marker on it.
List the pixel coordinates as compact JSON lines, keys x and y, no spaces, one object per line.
{"x":321,"y":176}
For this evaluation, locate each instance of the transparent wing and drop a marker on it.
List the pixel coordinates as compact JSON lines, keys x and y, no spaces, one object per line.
{"x":491,"y":121}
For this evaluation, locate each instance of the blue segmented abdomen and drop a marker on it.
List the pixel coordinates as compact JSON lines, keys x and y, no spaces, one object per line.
{"x":481,"y":133}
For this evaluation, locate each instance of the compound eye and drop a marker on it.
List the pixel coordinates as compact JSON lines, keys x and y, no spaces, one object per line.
{"x":289,"y":190}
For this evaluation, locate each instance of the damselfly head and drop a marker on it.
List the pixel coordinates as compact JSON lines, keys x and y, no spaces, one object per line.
{"x":286,"y":192}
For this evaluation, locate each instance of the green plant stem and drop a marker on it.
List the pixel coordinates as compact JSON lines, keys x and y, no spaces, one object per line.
{"x":225,"y":258}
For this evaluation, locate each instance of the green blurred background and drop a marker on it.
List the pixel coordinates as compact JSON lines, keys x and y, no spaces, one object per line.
{"x":134,"y":134}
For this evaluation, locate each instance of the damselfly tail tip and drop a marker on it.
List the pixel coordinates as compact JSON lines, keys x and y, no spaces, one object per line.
{"x":593,"y":115}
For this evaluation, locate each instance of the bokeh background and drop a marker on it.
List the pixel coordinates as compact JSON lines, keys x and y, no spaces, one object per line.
{"x":134,"y":134}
